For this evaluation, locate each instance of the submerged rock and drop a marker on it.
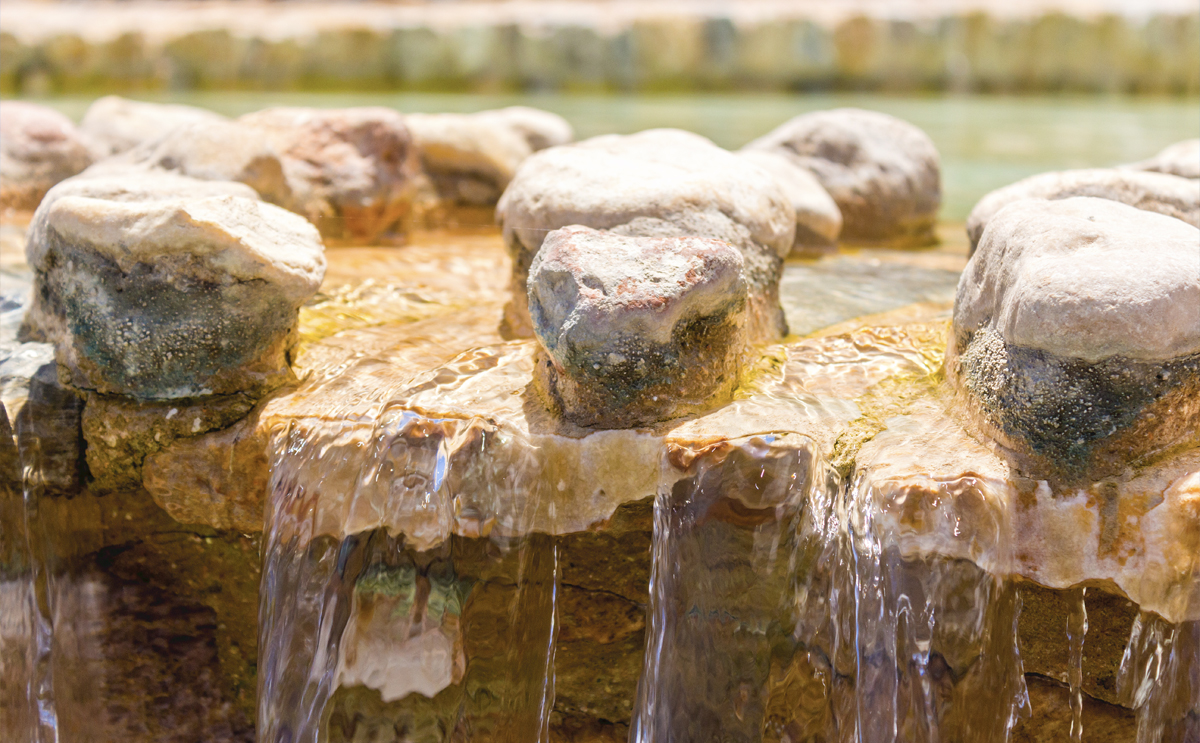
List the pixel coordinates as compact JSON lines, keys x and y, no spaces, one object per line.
{"x":353,"y":172}
{"x":1076,"y":334}
{"x":114,"y":124}
{"x":658,"y":183}
{"x":1181,"y":159}
{"x":636,"y":330}
{"x":38,"y":148}
{"x":155,"y":290}
{"x":818,"y":219}
{"x":884,"y":173}
{"x":1156,"y":192}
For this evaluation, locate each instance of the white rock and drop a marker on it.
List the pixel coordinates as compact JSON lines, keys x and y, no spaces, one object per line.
{"x":818,"y":219}
{"x":1181,"y":159}
{"x":116,"y":124}
{"x":38,"y":148}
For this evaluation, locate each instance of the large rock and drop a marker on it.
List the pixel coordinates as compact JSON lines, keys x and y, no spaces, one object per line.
{"x":1076,"y":334}
{"x":1181,"y":159}
{"x":472,"y":157}
{"x":38,"y":148}
{"x":636,"y":330}
{"x":1157,"y":192}
{"x":818,"y":219}
{"x":114,"y":124}
{"x":353,"y":172}
{"x":883,"y":173}
{"x":212,"y":151}
{"x":154,"y":289}
{"x":658,"y":183}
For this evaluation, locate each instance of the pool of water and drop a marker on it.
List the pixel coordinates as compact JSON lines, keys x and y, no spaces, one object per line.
{"x":985,"y":141}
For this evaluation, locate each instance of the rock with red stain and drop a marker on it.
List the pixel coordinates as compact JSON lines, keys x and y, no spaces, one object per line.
{"x":353,"y":172}
{"x":38,"y":148}
{"x":636,"y":330}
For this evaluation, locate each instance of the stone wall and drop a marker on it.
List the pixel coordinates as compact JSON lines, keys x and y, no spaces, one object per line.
{"x":588,"y":46}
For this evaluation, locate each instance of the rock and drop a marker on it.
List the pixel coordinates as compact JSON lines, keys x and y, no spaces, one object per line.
{"x":1156,"y":192}
{"x":636,"y":330}
{"x":1181,"y":159}
{"x":1071,"y":355}
{"x":353,"y":172}
{"x":116,"y":124}
{"x":38,"y":148}
{"x":212,"y":151}
{"x":540,"y":129}
{"x":883,"y":173}
{"x":155,"y":289}
{"x":658,"y":183}
{"x":818,"y":220}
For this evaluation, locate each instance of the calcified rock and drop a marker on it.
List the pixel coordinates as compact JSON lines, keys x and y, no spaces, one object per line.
{"x":353,"y":172}
{"x":154,"y":294}
{"x":658,"y":183}
{"x":818,"y":220}
{"x":1156,"y":192}
{"x":1181,"y":159}
{"x":883,"y":173}
{"x":38,"y":148}
{"x":636,"y":330}
{"x":114,"y":124}
{"x":1076,"y":333}
{"x":218,"y":150}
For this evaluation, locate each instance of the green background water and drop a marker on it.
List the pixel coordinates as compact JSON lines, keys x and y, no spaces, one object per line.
{"x":985,"y":141}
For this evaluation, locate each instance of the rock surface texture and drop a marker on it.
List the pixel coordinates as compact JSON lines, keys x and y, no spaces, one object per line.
{"x":114,"y":124}
{"x":38,"y":148}
{"x":1156,"y":192}
{"x":352,"y":172}
{"x":164,"y":291}
{"x":1181,"y":159}
{"x":818,"y":219}
{"x":884,"y":173}
{"x":1073,"y":359}
{"x":636,"y":330}
{"x":658,"y":183}
{"x":472,"y":157}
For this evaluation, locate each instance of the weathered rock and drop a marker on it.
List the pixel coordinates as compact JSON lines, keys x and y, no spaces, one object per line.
{"x":38,"y":148}
{"x":636,"y":330}
{"x":818,"y":220}
{"x":541,"y":129}
{"x":219,"y":150}
{"x":883,"y":173}
{"x":115,"y":124}
{"x":1156,"y":192}
{"x":1076,"y":333}
{"x":353,"y":172}
{"x":658,"y":183}
{"x":155,"y":291}
{"x":1181,"y":159}
{"x":469,"y":158}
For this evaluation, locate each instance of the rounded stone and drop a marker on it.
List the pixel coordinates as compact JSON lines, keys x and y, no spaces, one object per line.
{"x":818,"y":219}
{"x":114,"y":124}
{"x":883,"y":173}
{"x":636,"y":330}
{"x":1181,"y":159}
{"x":470,"y":158}
{"x":657,"y":183}
{"x":1077,"y":333}
{"x":1156,"y":192}
{"x":353,"y":172}
{"x":168,"y":292}
{"x":38,"y":148}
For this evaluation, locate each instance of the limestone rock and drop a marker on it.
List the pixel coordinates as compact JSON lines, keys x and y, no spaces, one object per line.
{"x":116,"y":124}
{"x":541,"y":129}
{"x":1181,"y":159}
{"x":353,"y":172}
{"x":154,"y":289}
{"x":212,"y":151}
{"x":1076,"y":333}
{"x":1156,"y":192}
{"x":38,"y":148}
{"x":657,"y":183}
{"x":818,"y":219}
{"x":636,"y":330}
{"x":883,"y":173}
